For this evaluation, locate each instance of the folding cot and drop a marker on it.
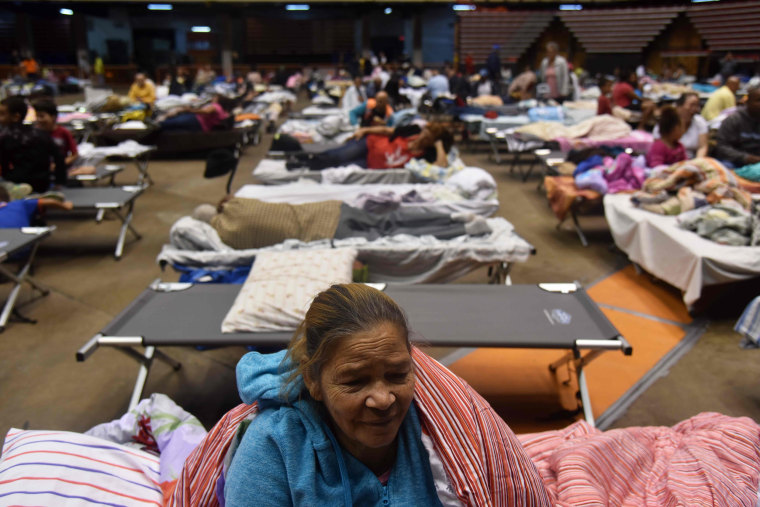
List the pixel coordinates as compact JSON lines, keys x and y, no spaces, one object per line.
{"x":547,"y":316}
{"x":117,"y":201}
{"x":678,"y":256}
{"x":102,"y":172}
{"x":129,"y":150}
{"x":401,"y":258}
{"x":273,"y":172}
{"x":302,"y":192}
{"x":19,"y":241}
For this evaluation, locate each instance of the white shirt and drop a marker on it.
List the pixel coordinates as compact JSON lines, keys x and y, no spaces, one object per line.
{"x":690,"y":138}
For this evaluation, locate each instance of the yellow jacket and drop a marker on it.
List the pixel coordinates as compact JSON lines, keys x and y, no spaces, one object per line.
{"x":145,"y":94}
{"x":720,"y":100}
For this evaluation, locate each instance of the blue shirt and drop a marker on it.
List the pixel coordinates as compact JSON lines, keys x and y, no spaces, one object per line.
{"x":289,"y":455}
{"x":16,"y":214}
{"x":438,"y":85}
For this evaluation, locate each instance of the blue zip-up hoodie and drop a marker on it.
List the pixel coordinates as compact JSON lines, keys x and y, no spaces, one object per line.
{"x":289,"y":455}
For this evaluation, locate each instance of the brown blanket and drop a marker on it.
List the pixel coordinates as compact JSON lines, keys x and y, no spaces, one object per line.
{"x":250,"y":223}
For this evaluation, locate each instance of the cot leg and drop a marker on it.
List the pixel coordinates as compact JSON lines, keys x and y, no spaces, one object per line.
{"x":527,"y":173}
{"x":577,"y":227}
{"x":142,"y":375}
{"x":588,"y":414}
{"x":494,"y":149}
{"x":99,"y":215}
{"x":142,"y":167}
{"x":126,"y":224}
{"x":18,"y":279}
{"x":176,"y":365}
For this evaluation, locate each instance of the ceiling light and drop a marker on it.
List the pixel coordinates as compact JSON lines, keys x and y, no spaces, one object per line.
{"x":66,"y":12}
{"x":200,"y":29}
{"x":160,"y":7}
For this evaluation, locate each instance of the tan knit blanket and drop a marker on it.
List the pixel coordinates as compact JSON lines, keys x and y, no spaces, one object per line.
{"x":250,"y":223}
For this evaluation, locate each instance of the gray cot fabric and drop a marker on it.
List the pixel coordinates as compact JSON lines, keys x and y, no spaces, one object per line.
{"x":461,"y":315}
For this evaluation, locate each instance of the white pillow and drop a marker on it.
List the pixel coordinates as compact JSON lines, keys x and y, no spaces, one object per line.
{"x":64,"y":468}
{"x":282,"y":285}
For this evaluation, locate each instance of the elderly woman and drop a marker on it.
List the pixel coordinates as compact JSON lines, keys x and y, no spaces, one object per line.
{"x":694,"y":138}
{"x":384,"y":148}
{"x":341,"y":420}
{"x":554,"y":73}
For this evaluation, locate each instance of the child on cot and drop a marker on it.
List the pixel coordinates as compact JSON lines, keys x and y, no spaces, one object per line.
{"x":667,"y":150}
{"x":47,"y":120}
{"x":249,"y":223}
{"x":20,"y":213}
{"x":26,"y":152}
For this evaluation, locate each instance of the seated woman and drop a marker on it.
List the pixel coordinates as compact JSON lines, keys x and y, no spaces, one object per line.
{"x":384,"y":148}
{"x":667,"y":150}
{"x":344,"y":420}
{"x":249,"y":223}
{"x":694,"y":137}
{"x":201,"y":119}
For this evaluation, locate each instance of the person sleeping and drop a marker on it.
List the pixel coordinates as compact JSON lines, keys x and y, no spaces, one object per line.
{"x":383,"y":148}
{"x":250,"y":223}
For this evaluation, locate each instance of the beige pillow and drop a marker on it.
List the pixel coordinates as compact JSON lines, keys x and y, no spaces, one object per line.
{"x":282,"y":285}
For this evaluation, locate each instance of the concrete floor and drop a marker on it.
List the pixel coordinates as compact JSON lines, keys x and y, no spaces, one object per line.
{"x":43,"y":387}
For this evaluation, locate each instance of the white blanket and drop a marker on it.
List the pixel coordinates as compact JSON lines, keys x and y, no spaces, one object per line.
{"x":438,"y":198}
{"x":401,"y":258}
{"x":677,"y":256}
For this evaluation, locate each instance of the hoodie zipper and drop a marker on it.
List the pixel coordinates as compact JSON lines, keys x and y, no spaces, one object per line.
{"x":386,"y":500}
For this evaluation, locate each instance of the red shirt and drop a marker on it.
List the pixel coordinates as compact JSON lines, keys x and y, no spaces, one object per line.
{"x":620,"y":94}
{"x":382,"y":153}
{"x":64,"y":140}
{"x":603,"y":105}
{"x":661,"y":154}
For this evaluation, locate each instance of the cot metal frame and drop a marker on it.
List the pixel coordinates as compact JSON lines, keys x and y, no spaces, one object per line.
{"x":122,"y":210}
{"x":580,"y":353}
{"x":19,"y":278}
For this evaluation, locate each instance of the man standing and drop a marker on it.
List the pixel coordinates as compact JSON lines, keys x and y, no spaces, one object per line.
{"x":493,"y":65}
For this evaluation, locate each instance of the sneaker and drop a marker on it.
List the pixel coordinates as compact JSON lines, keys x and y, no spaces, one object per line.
{"x":50,"y":194}
{"x":18,"y":191}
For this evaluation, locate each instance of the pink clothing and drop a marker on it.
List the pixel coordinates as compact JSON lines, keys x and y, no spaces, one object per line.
{"x":209,"y":121}
{"x":662,"y":154}
{"x":625,"y":176}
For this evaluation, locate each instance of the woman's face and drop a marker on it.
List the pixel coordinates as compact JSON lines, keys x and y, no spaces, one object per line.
{"x":691,"y":106}
{"x":367,"y":387}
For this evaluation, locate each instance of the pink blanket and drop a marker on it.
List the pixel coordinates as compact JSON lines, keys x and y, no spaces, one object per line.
{"x":638,"y":140}
{"x":710,"y":459}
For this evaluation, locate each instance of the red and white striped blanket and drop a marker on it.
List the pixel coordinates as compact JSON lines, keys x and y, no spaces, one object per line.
{"x":710,"y":459}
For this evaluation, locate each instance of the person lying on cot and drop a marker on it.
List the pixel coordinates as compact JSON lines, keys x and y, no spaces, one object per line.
{"x":340,"y":423}
{"x":250,"y":223}
{"x":383,"y":148}
{"x":667,"y":150}
{"x":198,"y":119}
{"x":20,"y":213}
